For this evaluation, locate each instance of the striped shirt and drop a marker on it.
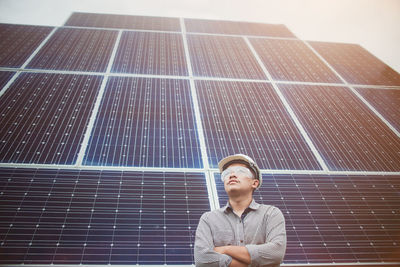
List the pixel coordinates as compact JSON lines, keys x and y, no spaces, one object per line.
{"x":261,"y":229}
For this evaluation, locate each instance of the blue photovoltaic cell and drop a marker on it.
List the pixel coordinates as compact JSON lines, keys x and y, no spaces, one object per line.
{"x":147,"y":123}
{"x":43,"y":117}
{"x":151,"y":53}
{"x":76,"y":49}
{"x":79,"y":19}
{"x":222,"y":56}
{"x":99,"y":217}
{"x":17,"y":42}
{"x":386,"y":102}
{"x":237,"y":28}
{"x":332,"y":218}
{"x":348,"y":135}
{"x":356,"y":65}
{"x":292,"y":60}
{"x":249,"y":118}
{"x":5,"y":76}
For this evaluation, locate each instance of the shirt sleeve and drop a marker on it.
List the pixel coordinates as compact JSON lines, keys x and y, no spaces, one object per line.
{"x":272,"y":252}
{"x":204,"y":254}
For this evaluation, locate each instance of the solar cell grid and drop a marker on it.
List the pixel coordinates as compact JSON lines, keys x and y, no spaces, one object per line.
{"x":151,"y":53}
{"x":249,"y":118}
{"x":386,"y":102}
{"x":145,"y":122}
{"x":237,"y":28}
{"x":224,"y":57}
{"x":17,"y":42}
{"x":292,"y":60}
{"x":99,"y":217}
{"x":44,"y":117}
{"x":332,"y":218}
{"x":356,"y":65}
{"x":80,"y":19}
{"x":76,"y":49}
{"x":346,"y":133}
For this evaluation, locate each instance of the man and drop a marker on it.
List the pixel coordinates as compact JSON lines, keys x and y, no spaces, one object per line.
{"x":243,"y":232}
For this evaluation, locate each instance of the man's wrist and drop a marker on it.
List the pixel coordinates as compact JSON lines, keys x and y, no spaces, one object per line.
{"x":222,"y":249}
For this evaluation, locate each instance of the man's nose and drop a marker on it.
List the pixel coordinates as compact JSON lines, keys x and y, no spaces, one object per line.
{"x":232,"y":175}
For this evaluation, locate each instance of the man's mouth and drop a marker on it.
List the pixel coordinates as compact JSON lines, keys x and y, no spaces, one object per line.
{"x":232,"y":182}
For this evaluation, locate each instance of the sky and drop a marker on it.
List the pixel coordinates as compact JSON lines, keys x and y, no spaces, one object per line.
{"x":373,"y":24}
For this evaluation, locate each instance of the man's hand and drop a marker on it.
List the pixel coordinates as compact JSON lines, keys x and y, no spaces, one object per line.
{"x":239,"y":254}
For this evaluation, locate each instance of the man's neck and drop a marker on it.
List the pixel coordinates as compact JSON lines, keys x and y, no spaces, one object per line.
{"x":240,"y":203}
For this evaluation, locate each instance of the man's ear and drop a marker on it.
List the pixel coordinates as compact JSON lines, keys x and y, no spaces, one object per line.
{"x":256,"y":182}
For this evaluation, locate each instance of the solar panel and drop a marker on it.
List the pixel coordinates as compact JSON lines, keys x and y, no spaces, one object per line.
{"x":237,"y":28}
{"x":17,"y":42}
{"x":334,"y":218}
{"x":44,"y":117}
{"x":222,"y":56}
{"x":76,"y":49}
{"x":347,"y":134}
{"x":356,"y":65}
{"x":292,"y":60}
{"x":250,"y":118}
{"x":79,"y":19}
{"x":112,"y":127}
{"x":99,"y":217}
{"x":145,"y":122}
{"x":387,"y":102}
{"x":151,"y":53}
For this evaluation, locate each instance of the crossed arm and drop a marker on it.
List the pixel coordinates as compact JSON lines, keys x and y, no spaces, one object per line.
{"x":240,"y":255}
{"x":269,"y":253}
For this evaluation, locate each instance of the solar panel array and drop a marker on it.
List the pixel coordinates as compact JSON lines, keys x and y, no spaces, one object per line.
{"x":113,"y":125}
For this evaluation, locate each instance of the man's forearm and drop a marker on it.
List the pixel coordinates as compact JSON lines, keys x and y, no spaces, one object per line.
{"x":236,"y":252}
{"x":236,"y":263}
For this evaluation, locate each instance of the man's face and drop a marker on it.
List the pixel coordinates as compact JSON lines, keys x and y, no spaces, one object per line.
{"x":239,"y":179}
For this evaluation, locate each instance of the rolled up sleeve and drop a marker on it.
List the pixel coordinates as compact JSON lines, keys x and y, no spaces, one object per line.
{"x":204,"y":254}
{"x":272,"y":252}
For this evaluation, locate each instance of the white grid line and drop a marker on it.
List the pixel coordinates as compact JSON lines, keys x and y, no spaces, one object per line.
{"x":179,"y":170}
{"x":351,"y":87}
{"x":23,"y":66}
{"x":96,"y":107}
{"x":196,"y":78}
{"x":212,"y":190}
{"x":288,"y":108}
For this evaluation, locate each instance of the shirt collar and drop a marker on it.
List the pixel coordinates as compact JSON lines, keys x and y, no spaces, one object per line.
{"x":253,"y":206}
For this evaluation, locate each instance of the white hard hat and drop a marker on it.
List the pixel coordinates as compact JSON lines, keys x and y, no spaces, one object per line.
{"x":240,"y":158}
